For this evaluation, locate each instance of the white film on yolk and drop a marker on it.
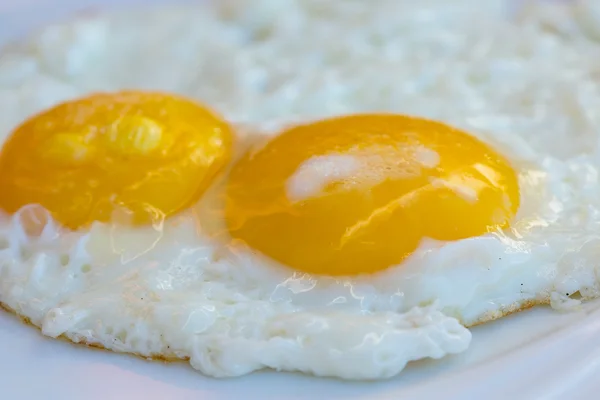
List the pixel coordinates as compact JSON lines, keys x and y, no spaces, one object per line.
{"x":525,"y":82}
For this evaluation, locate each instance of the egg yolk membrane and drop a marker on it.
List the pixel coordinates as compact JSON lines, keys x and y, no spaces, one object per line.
{"x":149,"y":154}
{"x":357,"y":194}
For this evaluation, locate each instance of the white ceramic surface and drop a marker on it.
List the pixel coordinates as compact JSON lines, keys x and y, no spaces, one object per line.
{"x":539,"y":354}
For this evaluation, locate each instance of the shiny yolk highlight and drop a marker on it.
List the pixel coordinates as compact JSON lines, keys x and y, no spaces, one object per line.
{"x":357,"y":194}
{"x":140,"y":155}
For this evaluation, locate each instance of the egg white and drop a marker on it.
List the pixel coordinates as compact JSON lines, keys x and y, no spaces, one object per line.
{"x":523,"y":83}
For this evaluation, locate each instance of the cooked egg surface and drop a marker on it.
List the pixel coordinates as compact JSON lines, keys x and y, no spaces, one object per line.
{"x":357,"y":194}
{"x":523,"y":82}
{"x":148,"y":154}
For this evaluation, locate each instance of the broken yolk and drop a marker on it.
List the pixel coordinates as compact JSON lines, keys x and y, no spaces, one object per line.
{"x":139,"y":155}
{"x":357,"y":194}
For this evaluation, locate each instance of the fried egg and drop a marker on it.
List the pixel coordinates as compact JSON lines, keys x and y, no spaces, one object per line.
{"x":232,"y":186}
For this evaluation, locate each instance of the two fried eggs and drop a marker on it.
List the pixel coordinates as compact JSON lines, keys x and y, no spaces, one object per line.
{"x":342,"y":247}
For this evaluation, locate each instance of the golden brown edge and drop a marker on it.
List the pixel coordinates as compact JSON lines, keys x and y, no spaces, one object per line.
{"x":95,"y":346}
{"x":513,"y":309}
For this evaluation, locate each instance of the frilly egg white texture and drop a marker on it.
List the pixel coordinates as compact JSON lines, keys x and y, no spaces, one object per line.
{"x":524,"y":80}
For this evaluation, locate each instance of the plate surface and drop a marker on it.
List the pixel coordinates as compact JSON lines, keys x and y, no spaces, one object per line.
{"x":536,"y":354}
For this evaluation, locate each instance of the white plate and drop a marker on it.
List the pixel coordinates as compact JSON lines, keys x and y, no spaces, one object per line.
{"x":536,"y":354}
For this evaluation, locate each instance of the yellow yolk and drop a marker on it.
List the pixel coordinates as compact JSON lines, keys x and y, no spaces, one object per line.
{"x":141,"y":154}
{"x":357,"y":194}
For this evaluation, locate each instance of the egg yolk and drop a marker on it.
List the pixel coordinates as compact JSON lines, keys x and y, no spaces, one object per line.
{"x":147,"y":154}
{"x":357,"y":194}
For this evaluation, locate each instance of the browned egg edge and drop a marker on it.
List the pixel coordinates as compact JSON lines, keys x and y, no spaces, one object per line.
{"x":153,"y":357}
{"x":172,"y":357}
